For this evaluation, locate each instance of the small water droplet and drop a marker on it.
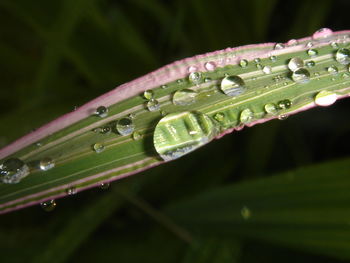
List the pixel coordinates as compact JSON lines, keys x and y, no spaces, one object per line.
{"x":259,"y":66}
{"x":246,"y":116}
{"x":105,"y":130}
{"x":104,"y":186}
{"x":219,"y":116}
{"x":257,"y":60}
{"x":243,"y":63}
{"x":301,"y":75}
{"x":179,"y":81}
{"x":148,"y":94}
{"x":295,"y":63}
{"x":312,"y":52}
{"x":322,"y":33}
{"x":136,"y":136}
{"x":153,"y":105}
{"x":13,"y":170}
{"x":325,"y":98}
{"x":282,"y":117}
{"x":180,"y":133}
{"x":310,"y":64}
{"x":46,"y":164}
{"x":195,"y":77}
{"x":246,"y":213}
{"x":101,"y":111}
{"x":309,"y":45}
{"x":207,"y":79}
{"x":210,"y":66}
{"x":334,"y":45}
{"x":192,"y":69}
{"x":38,"y":144}
{"x":232,"y":85}
{"x":279,"y":46}
{"x":345,"y":75}
{"x":71,"y":190}
{"x":267,"y":69}
{"x":273,"y":58}
{"x":184,"y":97}
{"x":125,"y":126}
{"x":163,"y":112}
{"x":292,"y":42}
{"x":48,"y":206}
{"x":271,"y":108}
{"x":164,"y":86}
{"x":132,"y":115}
{"x":98,"y":147}
{"x":343,"y":56}
{"x":284,"y":104}
{"x":332,"y":70}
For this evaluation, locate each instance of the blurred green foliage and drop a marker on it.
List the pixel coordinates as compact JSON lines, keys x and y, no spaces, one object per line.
{"x":55,"y":55}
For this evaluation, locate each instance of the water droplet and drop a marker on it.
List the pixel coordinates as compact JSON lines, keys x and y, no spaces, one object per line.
{"x":273,"y":58}
{"x":192,"y":69}
{"x":38,"y":144}
{"x":246,"y":213}
{"x":48,"y":206}
{"x":246,"y":116}
{"x":104,"y":186}
{"x":243,"y":63}
{"x":195,"y":77}
{"x":153,"y":105}
{"x":332,"y":70}
{"x":343,"y":56}
{"x":184,"y":97}
{"x":267,"y":69}
{"x":312,"y":52}
{"x":164,"y":86}
{"x":105,"y":130}
{"x":179,"y":81}
{"x":284,"y":104}
{"x":180,"y":133}
{"x":279,"y":46}
{"x":136,"y":136}
{"x":98,"y":147}
{"x":148,"y":94}
{"x":259,"y":66}
{"x":301,"y":75}
{"x":71,"y":190}
{"x":325,"y":98}
{"x":257,"y":60}
{"x":292,"y":42}
{"x":309,"y":45}
{"x":282,"y":117}
{"x":207,"y":79}
{"x":322,"y":33}
{"x":125,"y":126}
{"x":295,"y":63}
{"x":334,"y":45}
{"x":132,"y":115}
{"x":271,"y":108}
{"x":13,"y":170}
{"x":219,"y":116}
{"x":210,"y":66}
{"x":163,"y":112}
{"x":232,"y":85}
{"x":101,"y":111}
{"x":346,"y":75}
{"x":310,"y":64}
{"x":46,"y":164}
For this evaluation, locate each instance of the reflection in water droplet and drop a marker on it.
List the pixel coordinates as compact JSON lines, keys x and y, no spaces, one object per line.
{"x":332,"y":70}
{"x":13,"y":170}
{"x":267,"y":69}
{"x":125,"y":126}
{"x":301,"y":75}
{"x":322,"y":33}
{"x":101,"y":111}
{"x":46,"y":164}
{"x":295,"y":63}
{"x":48,"y":206}
{"x":232,"y":85}
{"x":343,"y":56}
{"x":325,"y":98}
{"x":98,"y":147}
{"x":312,"y":52}
{"x":195,"y":77}
{"x":243,"y":63}
{"x":271,"y":108}
{"x":184,"y":97}
{"x":153,"y":105}
{"x":180,"y":133}
{"x":246,"y":116}
{"x":104,"y":186}
{"x":246,"y":213}
{"x":210,"y":66}
{"x":284,"y":104}
{"x":148,"y":94}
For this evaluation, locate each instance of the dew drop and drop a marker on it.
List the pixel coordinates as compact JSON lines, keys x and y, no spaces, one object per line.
{"x":125,"y":126}
{"x":71,"y":190}
{"x":207,"y":79}
{"x":257,"y":60}
{"x":219,"y":116}
{"x":164,"y":86}
{"x":153,"y":105}
{"x":105,"y":130}
{"x":180,"y":133}
{"x":136,"y":136}
{"x":282,"y":117}
{"x":267,"y":69}
{"x":246,"y":116}
{"x":325,"y":98}
{"x":192,"y":69}
{"x":195,"y":77}
{"x":98,"y":147}
{"x":273,"y":58}
{"x":332,"y":70}
{"x":184,"y":97}
{"x":295,"y":63}
{"x":270,"y":108}
{"x":259,"y":66}
{"x":279,"y":46}
{"x":104,"y":186}
{"x":310,"y":64}
{"x":309,"y":45}
{"x":243,"y":63}
{"x":284,"y":104}
{"x":312,"y":52}
{"x":132,"y":115}
{"x":292,"y":42}
{"x":343,"y":56}
{"x":48,"y":206}
{"x":148,"y":94}
{"x":46,"y":164}
{"x":322,"y":33}
{"x":232,"y":85}
{"x":246,"y":213}
{"x":210,"y":66}
{"x":301,"y":75}
{"x":334,"y":45}
{"x":179,"y":81}
{"x":101,"y":111}
{"x":13,"y":170}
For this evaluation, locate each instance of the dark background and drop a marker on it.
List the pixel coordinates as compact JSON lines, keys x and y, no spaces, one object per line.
{"x":55,"y":55}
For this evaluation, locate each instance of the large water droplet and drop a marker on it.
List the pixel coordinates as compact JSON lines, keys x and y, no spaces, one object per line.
{"x":184,"y":97}
{"x":301,"y":75}
{"x":125,"y":126}
{"x":148,"y":94}
{"x":13,"y":170}
{"x":98,"y":147}
{"x":271,"y":108}
{"x":48,"y":206}
{"x":153,"y":105}
{"x":332,"y":70}
{"x":246,"y":116}
{"x":322,"y":33}
{"x":232,"y":85}
{"x":195,"y":77}
{"x":325,"y":98}
{"x":343,"y":56}
{"x":180,"y":133}
{"x":295,"y":63}
{"x":101,"y":111}
{"x":210,"y":66}
{"x":46,"y":164}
